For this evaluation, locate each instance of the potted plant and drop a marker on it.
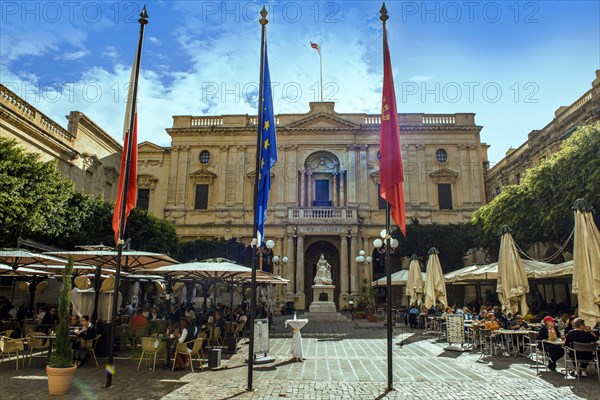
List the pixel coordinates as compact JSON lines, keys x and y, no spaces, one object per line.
{"x":61,"y":369}
{"x":366,"y":301}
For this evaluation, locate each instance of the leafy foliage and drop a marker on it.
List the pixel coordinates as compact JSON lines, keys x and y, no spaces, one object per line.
{"x":62,"y":356}
{"x":452,"y":241}
{"x":366,"y":297}
{"x":539,"y":209}
{"x":34,"y":197}
{"x":202,"y":249}
{"x":38,"y":203}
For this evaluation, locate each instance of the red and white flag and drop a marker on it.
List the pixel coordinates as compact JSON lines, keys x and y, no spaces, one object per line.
{"x":131,"y":185}
{"x":316,"y":47}
{"x":391,"y":173}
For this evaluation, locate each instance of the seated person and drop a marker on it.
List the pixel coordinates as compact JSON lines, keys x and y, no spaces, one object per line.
{"x":85,"y":334}
{"x":138,"y":320}
{"x":549,"y":333}
{"x":581,"y":334}
{"x":186,"y":333}
{"x":173,"y":317}
{"x":153,"y":314}
{"x":413,"y":316}
{"x":219,"y":322}
{"x":75,"y":324}
{"x":569,"y":326}
{"x":50,"y":320}
{"x":528,"y":317}
{"x":518,"y":323}
{"x":491,"y":323}
{"x":467,"y":314}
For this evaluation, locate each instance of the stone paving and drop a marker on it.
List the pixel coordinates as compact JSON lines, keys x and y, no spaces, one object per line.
{"x":343,"y":361}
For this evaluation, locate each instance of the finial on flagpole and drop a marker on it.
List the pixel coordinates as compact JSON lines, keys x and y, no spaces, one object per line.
{"x":264,"y":21}
{"x":384,"y":15}
{"x":143,"y":16}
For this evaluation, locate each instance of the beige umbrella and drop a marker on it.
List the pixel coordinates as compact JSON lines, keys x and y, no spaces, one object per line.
{"x":512,"y":286}
{"x":414,"y":282}
{"x":586,"y":263}
{"x":435,"y":286}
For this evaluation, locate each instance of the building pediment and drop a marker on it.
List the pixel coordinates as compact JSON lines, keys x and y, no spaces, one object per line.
{"x":322,"y":121}
{"x":202,"y":176}
{"x":147,"y":181}
{"x":444,"y":175}
{"x":150,"y":147}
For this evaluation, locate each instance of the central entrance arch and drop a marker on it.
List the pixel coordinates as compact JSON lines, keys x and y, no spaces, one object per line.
{"x":311,"y":257}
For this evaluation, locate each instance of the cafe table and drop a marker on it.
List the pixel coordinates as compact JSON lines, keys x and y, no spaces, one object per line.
{"x":519,"y":333}
{"x":296,"y":325}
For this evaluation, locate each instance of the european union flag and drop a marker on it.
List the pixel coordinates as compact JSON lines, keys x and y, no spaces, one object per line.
{"x":268,"y":151}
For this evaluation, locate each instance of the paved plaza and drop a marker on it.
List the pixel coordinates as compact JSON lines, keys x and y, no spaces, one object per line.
{"x":343,"y":361}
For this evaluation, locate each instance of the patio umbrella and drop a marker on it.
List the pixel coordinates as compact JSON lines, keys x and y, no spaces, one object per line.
{"x":17,"y":258}
{"x":414,"y":282}
{"x":102,"y":257}
{"x":6,"y":270}
{"x":586,"y":263}
{"x":512,"y":286}
{"x":435,"y":287}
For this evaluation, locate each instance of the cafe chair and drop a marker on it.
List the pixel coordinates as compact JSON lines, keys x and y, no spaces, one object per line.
{"x":90,"y":345}
{"x":240,"y":329}
{"x":215,"y":337}
{"x":35,"y":343}
{"x":9,"y":346}
{"x":536,"y":351}
{"x":575,"y":361}
{"x":182,"y":348}
{"x":151,"y":346}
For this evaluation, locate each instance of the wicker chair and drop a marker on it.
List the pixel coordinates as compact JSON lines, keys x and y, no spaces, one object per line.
{"x":182,"y":348}
{"x":35,"y":343}
{"x":9,"y":346}
{"x":151,"y":346}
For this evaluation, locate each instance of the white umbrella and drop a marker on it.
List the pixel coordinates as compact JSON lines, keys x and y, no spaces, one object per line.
{"x":435,"y":287}
{"x":512,"y":286}
{"x":586,"y":263}
{"x":414,"y":282}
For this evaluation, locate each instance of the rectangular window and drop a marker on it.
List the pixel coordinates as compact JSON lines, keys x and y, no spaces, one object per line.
{"x":381,"y":203}
{"x":143,"y":199}
{"x":445,"y":196}
{"x":322,"y":192}
{"x":201,"y":200}
{"x":498,"y":190}
{"x":518,"y":178}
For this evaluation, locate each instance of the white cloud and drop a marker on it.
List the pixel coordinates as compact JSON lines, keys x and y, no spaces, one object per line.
{"x":154,"y":40}
{"x":110,"y":52}
{"x":76,"y":55}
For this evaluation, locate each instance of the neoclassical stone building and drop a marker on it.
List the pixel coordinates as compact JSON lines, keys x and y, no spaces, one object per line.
{"x":86,"y":154}
{"x":324,"y":197}
{"x":542,"y":144}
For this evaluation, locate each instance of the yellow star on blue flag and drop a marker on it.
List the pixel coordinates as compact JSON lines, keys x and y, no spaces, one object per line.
{"x":268,"y":151}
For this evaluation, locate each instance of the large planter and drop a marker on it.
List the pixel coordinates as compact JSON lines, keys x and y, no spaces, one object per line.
{"x":372,"y":318}
{"x":59,"y":379}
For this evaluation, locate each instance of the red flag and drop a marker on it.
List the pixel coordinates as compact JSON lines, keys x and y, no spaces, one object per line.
{"x":131,"y":185}
{"x":316,"y":47}
{"x":391,"y":173}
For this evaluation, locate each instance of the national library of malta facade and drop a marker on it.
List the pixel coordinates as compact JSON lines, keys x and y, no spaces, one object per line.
{"x":324,"y":197}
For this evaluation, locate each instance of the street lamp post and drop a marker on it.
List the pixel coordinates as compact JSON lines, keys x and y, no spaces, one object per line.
{"x":363,"y":261}
{"x":278,"y":262}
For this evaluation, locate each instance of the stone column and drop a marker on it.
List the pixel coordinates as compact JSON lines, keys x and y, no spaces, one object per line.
{"x":300,"y":298}
{"x":352,"y":181}
{"x":183,"y":165}
{"x":363,"y":181}
{"x":240,"y":175}
{"x":310,"y":191}
{"x":353,"y":266}
{"x":344,"y":272}
{"x":302,"y":188}
{"x":289,"y":268}
{"x":172,"y":190}
{"x":422,"y":183}
{"x":335,"y":191}
{"x":342,"y":188}
{"x":291,"y":180}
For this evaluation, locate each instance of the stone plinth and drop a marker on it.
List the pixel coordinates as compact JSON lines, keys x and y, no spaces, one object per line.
{"x":320,"y":304}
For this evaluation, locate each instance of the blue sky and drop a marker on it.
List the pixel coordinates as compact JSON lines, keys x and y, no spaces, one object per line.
{"x":513,"y":63}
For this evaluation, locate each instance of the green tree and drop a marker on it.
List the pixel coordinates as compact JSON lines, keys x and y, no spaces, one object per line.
{"x":539,"y":209}
{"x":34,"y":197}
{"x":452,"y":241}
{"x":202,"y":249}
{"x":150,"y":233}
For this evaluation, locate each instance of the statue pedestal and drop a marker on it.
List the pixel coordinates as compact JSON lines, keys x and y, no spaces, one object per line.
{"x":322,"y":299}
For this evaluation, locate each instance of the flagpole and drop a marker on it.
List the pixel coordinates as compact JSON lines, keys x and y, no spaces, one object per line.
{"x":388,"y":270}
{"x":321,"y":64}
{"x":111,"y":336}
{"x":255,"y":253}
